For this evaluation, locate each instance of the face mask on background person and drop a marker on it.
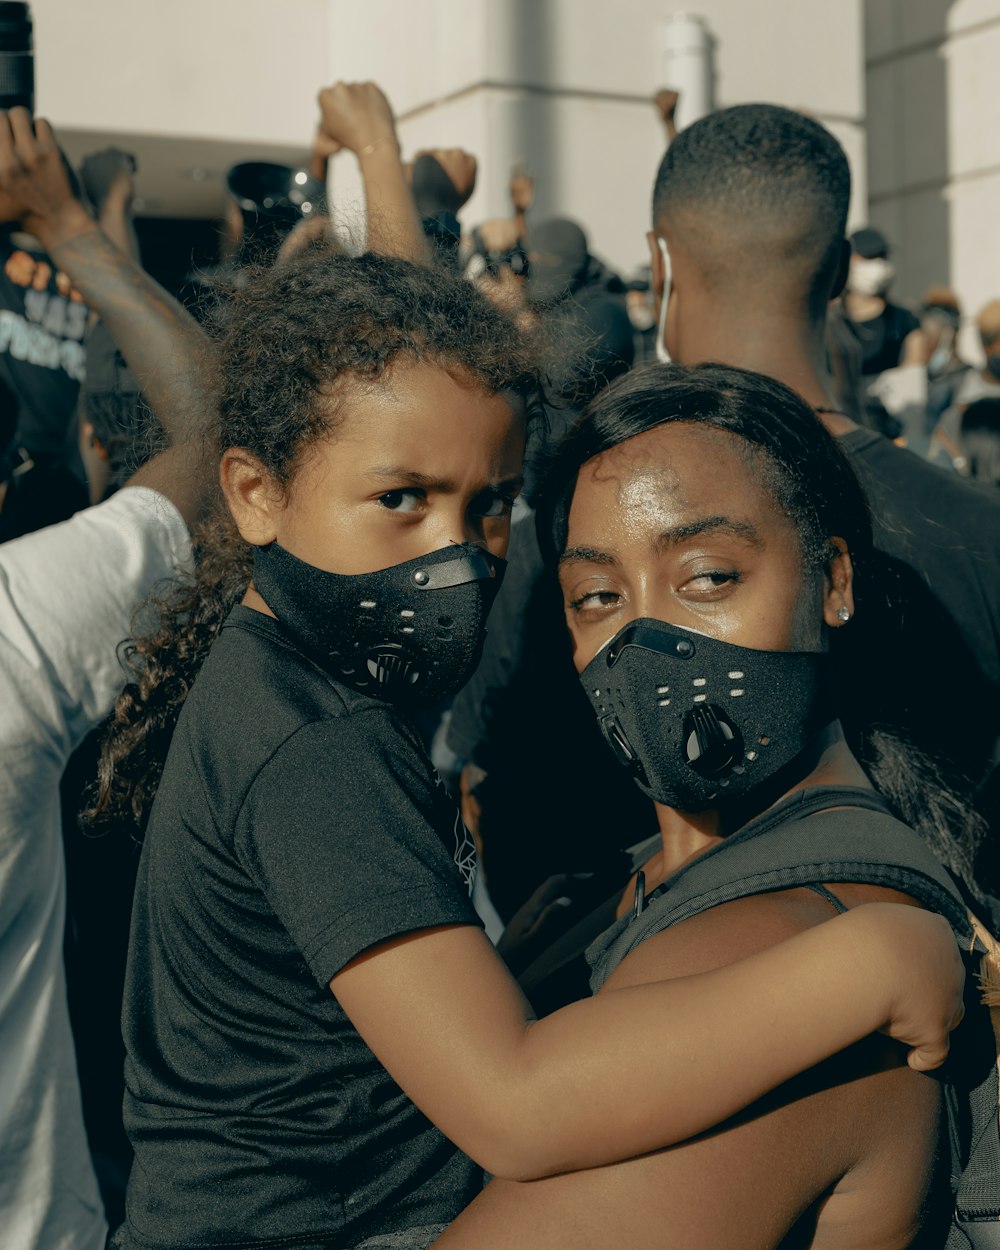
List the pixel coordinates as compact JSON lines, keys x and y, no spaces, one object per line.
{"x":870,"y":276}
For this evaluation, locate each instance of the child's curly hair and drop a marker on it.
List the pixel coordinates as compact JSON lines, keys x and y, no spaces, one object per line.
{"x":294,"y":337}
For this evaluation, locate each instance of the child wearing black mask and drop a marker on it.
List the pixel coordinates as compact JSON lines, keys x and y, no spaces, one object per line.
{"x":372,"y":429}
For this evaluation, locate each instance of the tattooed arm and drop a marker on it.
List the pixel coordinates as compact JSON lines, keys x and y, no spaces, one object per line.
{"x":166,"y":349}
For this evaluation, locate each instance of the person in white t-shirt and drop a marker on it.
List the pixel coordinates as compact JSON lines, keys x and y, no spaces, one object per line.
{"x":67,"y":596}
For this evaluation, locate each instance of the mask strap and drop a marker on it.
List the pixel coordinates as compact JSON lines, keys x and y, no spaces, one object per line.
{"x":662,"y":355}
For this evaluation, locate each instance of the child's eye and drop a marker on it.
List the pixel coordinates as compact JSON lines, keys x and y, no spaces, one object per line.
{"x":404,"y":500}
{"x":491,"y":504}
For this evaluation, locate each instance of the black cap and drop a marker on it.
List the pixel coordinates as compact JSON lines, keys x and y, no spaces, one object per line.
{"x":870,"y":243}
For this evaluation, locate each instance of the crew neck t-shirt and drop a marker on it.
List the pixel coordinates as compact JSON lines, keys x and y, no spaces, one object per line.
{"x":298,"y":823}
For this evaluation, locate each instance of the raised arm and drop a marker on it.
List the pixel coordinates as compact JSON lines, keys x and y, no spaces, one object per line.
{"x":357,"y":116}
{"x":166,"y":349}
{"x":638,"y":1068}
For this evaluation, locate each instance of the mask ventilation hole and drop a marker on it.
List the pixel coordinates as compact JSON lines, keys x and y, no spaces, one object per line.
{"x":407,"y":629}
{"x":700,"y":681}
{"x":367,"y":603}
{"x":734,"y":676}
{"x":700,"y":698}
{"x":662,"y":689}
{"x":407,"y":614}
{"x":665,"y":702}
{"x":751,"y":755}
{"x":736,"y":693}
{"x":446,"y":622}
{"x":765,"y":741}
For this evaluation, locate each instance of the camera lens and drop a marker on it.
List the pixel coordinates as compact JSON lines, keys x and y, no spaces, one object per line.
{"x":17,"y":64}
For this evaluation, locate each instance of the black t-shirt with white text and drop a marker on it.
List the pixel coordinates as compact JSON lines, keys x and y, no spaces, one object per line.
{"x":42,"y":358}
{"x":298,"y":823}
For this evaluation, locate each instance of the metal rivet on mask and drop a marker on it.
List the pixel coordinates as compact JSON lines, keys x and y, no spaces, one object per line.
{"x":421,"y":577}
{"x":684,"y":647}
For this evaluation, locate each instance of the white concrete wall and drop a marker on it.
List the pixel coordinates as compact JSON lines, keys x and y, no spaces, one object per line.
{"x":188,"y":85}
{"x":566,"y":86}
{"x":934,"y":143}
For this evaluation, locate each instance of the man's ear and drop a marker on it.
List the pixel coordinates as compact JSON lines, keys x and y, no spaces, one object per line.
{"x":843,"y":265}
{"x":252,"y":495}
{"x":838,"y":586}
{"x":657,"y":272}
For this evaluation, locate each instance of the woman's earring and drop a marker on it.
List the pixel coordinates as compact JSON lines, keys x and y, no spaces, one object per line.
{"x":843,"y":614}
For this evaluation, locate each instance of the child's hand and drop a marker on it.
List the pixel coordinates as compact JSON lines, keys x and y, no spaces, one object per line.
{"x":927,"y":978}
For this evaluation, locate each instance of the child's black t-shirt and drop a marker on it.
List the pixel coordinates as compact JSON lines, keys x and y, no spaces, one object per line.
{"x":297,"y":824}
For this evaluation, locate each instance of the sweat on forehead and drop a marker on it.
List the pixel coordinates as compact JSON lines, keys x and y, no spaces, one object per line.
{"x":680,"y":464}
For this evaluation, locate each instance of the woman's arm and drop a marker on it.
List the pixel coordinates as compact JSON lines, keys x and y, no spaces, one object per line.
{"x":529,"y":1098}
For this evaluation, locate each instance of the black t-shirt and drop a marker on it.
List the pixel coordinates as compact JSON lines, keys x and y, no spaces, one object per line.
{"x":922,"y":653}
{"x":297,"y":824}
{"x":881,"y":338}
{"x":42,"y":324}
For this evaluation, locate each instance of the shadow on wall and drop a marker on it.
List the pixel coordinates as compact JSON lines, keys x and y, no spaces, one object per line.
{"x":907,"y":125}
{"x":531,"y":36}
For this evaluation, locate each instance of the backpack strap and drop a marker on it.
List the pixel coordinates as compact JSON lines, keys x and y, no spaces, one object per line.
{"x":813,"y":837}
{"x":833,"y":834}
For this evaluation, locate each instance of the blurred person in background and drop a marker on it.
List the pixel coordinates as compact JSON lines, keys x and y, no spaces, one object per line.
{"x":940,"y":322}
{"x":980,"y":434}
{"x":975,"y":384}
{"x":879,"y":325}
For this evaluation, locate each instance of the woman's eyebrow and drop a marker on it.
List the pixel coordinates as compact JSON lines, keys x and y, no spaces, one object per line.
{"x":586,"y":555}
{"x":710,"y":524}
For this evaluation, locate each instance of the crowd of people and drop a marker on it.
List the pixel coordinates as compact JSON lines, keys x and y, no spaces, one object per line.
{"x":470,"y":716}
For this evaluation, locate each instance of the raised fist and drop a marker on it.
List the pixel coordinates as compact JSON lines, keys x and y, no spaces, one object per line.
{"x":356,"y":116}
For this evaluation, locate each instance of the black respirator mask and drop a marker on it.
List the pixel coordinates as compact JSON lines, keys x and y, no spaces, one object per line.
{"x":697,"y":721}
{"x":410,"y":633}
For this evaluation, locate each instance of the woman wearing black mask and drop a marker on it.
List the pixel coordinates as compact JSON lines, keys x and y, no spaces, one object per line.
{"x":705,"y":529}
{"x":371,"y":436}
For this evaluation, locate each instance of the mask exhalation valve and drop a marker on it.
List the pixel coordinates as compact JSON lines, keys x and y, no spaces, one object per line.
{"x":391,"y":669}
{"x":712,"y":743}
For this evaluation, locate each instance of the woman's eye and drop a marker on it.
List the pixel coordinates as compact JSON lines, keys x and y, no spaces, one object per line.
{"x":403,"y":500}
{"x":594,"y":601}
{"x":714,"y":579}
